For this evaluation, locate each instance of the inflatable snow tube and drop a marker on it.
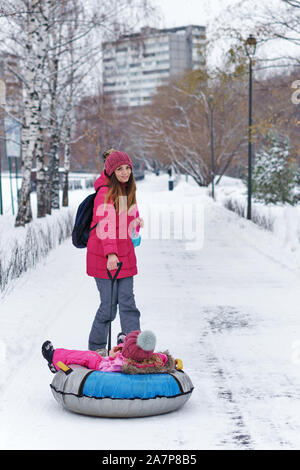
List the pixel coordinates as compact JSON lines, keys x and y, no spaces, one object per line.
{"x":118,"y":395}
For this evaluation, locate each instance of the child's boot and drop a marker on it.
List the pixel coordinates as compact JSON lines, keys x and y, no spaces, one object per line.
{"x":120,"y":338}
{"x":102,"y":352}
{"x":48,"y":351}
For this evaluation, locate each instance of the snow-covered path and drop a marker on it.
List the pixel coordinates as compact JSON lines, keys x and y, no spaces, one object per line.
{"x":229,"y":310}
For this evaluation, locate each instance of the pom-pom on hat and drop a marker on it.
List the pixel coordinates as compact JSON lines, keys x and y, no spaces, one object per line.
{"x":139,"y":345}
{"x":116,"y":159}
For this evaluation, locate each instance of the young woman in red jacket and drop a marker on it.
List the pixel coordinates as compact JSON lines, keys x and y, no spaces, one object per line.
{"x":117,"y":218}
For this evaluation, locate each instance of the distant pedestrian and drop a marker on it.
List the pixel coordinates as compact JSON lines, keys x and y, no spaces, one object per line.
{"x":116,"y":213}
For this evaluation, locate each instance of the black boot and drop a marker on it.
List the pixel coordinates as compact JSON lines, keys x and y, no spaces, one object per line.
{"x":48,"y":351}
{"x":121,"y":337}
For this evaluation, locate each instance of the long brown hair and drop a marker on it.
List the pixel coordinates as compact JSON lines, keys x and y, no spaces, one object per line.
{"x":116,"y":189}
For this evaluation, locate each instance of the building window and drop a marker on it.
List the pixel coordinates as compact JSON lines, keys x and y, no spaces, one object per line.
{"x":149,"y":54}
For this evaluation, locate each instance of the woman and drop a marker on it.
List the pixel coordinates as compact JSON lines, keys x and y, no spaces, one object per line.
{"x":115,"y":212}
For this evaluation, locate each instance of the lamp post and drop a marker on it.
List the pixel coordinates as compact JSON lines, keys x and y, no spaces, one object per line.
{"x":250,"y":46}
{"x":210,"y":104}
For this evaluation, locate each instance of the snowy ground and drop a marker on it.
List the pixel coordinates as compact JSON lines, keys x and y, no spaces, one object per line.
{"x":230,"y":310}
{"x":284,"y":218}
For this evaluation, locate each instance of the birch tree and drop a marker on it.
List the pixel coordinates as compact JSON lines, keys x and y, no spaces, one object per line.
{"x":31,"y":115}
{"x":38,"y":31}
{"x":68,"y":126}
{"x":72,"y":55}
{"x":54,"y":57}
{"x":44,"y":9}
{"x":28,"y":37}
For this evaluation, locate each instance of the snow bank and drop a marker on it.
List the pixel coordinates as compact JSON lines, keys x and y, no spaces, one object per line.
{"x":281,"y":219}
{"x":23,"y":247}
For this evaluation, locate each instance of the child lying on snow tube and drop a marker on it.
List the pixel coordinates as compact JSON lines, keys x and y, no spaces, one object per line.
{"x":133,"y":356}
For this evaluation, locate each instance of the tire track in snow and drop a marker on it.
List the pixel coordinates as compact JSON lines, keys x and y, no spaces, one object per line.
{"x":249,"y":431}
{"x":238,"y":434}
{"x":246,"y":430}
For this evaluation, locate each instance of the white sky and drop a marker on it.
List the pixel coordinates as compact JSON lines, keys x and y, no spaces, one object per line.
{"x":197,"y":12}
{"x":184,"y":12}
{"x":204,"y":12}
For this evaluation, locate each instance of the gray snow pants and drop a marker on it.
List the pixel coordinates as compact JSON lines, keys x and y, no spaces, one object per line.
{"x":129,"y":313}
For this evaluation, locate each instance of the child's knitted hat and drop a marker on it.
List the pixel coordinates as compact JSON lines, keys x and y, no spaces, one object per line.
{"x":139,"y":345}
{"x":116,"y":159}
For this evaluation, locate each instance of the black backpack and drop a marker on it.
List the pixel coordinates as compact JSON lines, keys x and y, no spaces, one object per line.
{"x":83,"y":219}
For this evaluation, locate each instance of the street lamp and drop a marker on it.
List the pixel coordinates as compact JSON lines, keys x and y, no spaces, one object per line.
{"x":250,"y":46}
{"x":210,"y":104}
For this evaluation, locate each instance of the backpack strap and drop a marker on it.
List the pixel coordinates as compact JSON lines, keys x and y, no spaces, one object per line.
{"x":102,"y":186}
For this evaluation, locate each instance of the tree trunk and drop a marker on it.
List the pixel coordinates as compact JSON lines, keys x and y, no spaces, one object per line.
{"x":55,"y":138}
{"x":31,"y":120}
{"x":41,"y":40}
{"x":48,"y":192}
{"x":54,"y":171}
{"x":24,"y":214}
{"x":65,"y":197}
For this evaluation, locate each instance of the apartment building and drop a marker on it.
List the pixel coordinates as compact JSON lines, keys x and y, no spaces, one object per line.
{"x":11,"y":99}
{"x":136,"y":64}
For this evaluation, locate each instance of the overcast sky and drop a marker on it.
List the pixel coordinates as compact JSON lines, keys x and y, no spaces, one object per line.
{"x":197,"y":12}
{"x":184,"y":12}
{"x":204,"y":12}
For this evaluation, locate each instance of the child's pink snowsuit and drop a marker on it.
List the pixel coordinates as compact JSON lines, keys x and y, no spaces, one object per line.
{"x":92,"y":360}
{"x":89,"y":359}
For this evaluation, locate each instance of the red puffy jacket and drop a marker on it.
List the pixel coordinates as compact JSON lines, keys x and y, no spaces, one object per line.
{"x":118,"y":238}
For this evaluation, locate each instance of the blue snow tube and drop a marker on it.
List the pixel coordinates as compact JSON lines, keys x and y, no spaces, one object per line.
{"x":119,"y":395}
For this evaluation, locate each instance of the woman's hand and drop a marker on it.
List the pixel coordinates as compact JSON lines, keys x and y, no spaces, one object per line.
{"x":112,"y":261}
{"x":139,"y":221}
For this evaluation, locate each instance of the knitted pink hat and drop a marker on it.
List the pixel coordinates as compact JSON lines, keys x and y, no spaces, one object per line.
{"x":139,"y":345}
{"x":116,"y":159}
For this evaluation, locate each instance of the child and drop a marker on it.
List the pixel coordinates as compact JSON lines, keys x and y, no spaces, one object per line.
{"x":134,"y":356}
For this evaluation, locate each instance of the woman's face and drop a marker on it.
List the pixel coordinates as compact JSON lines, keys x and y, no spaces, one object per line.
{"x":123,"y":173}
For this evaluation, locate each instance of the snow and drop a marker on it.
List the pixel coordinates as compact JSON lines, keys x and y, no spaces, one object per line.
{"x":284,"y":218}
{"x":7,"y":184}
{"x":229,"y":310}
{"x":42,"y":233}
